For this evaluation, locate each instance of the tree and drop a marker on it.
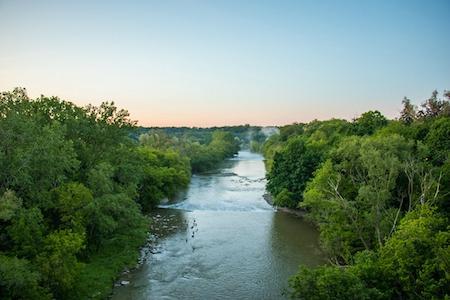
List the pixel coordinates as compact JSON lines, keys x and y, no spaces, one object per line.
{"x":26,"y":148}
{"x":9,"y":205}
{"x":352,"y":196}
{"x":19,"y":280}
{"x":223,"y":144}
{"x":164,"y":173}
{"x":51,"y":151}
{"x":413,"y":264}
{"x":291,"y":130}
{"x":100,"y":179}
{"x":369,"y":122}
{"x":438,"y":140}
{"x":27,"y":231}
{"x":72,"y":199}
{"x":330,"y":283}
{"x":58,"y":263}
{"x":285,"y":199}
{"x":434,"y":107}
{"x":293,"y":167}
{"x":408,"y":113}
{"x":416,"y":257}
{"x":113,"y":215}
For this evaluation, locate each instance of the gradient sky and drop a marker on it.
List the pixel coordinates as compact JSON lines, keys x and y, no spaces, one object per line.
{"x":204,"y":63}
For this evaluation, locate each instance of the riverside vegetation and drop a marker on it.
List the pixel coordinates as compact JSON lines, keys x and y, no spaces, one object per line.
{"x":74,"y":187}
{"x":76,"y":183}
{"x":378,"y":191}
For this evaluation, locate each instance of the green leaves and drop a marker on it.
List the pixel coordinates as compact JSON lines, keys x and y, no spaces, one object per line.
{"x":285,"y":199}
{"x":204,"y":152}
{"x":413,"y":264}
{"x":58,"y":263}
{"x":164,"y":173}
{"x":416,"y":256}
{"x":294,"y":155}
{"x":380,"y":200}
{"x":330,"y":283}
{"x":369,"y":122}
{"x":112,"y":215}
{"x":71,"y":204}
{"x":27,"y":231}
{"x":9,"y":205}
{"x":438,"y":140}
{"x":352,"y":193}
{"x":293,"y":167}
{"x":27,"y":147}
{"x":67,"y":175}
{"x":19,"y":280}
{"x":100,"y":179}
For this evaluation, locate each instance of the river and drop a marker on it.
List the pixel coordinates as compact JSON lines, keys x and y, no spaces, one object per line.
{"x":221,"y":240}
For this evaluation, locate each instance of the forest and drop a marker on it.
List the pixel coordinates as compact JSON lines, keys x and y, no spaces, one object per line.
{"x":205,"y":147}
{"x":378,"y":191}
{"x":75,"y":184}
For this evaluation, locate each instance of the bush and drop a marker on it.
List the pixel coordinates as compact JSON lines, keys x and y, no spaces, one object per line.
{"x":285,"y":199}
{"x":331,"y":283}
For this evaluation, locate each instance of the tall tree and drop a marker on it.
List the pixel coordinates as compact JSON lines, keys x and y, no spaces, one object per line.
{"x":408,"y":113}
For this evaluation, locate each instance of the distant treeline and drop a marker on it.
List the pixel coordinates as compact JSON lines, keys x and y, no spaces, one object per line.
{"x":73,"y":188}
{"x":244,"y":134}
{"x":378,"y":190}
{"x":203,"y":154}
{"x":204,"y":147}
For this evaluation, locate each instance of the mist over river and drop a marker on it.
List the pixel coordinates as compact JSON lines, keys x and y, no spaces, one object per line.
{"x":221,"y":240}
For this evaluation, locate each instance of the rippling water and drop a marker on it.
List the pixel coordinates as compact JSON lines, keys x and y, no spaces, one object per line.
{"x":221,"y":240}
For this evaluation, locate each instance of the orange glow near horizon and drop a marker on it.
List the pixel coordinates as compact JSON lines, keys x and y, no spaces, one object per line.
{"x":177,"y":63}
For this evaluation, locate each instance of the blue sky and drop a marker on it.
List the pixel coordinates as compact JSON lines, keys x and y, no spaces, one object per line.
{"x":203,"y":63}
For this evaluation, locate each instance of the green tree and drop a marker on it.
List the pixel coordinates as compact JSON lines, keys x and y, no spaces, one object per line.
{"x":26,"y":148}
{"x":408,"y":113}
{"x":413,"y":264}
{"x":9,"y":205}
{"x":434,"y":107}
{"x":100,"y":179}
{"x":293,"y":167}
{"x":330,"y":283}
{"x":285,"y":199}
{"x":416,"y":258}
{"x":58,"y":263}
{"x":438,"y":140}
{"x":369,"y":122}
{"x":72,"y":199}
{"x":27,"y":231}
{"x":112,"y":215}
{"x":164,"y":174}
{"x":19,"y":280}
{"x":51,"y":151}
{"x":352,"y":196}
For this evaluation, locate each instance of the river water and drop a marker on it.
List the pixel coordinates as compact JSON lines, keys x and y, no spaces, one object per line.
{"x":221,"y":240}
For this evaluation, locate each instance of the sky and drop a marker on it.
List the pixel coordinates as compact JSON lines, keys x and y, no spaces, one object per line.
{"x":214,"y":63}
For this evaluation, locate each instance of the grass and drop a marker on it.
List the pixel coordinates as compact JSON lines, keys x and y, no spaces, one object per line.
{"x":99,"y":273}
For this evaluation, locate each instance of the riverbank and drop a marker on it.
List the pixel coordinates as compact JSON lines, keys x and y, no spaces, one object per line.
{"x":96,"y":279}
{"x":295,"y":211}
{"x":205,"y":243}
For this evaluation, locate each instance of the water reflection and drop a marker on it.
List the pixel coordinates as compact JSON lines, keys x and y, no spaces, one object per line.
{"x":223,"y":241}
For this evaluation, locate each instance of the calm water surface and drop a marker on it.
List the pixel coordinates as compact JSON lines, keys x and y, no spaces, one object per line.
{"x":221,"y":240}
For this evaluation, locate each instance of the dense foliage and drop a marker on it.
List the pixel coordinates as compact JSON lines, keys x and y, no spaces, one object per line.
{"x":378,"y":190}
{"x":73,"y":188}
{"x":244,"y":134}
{"x":204,"y":152}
